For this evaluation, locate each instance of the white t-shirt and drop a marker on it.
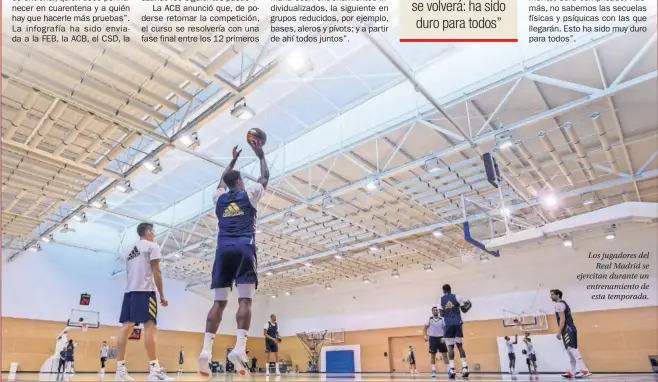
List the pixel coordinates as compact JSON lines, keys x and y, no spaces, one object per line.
{"x":510,"y":346}
{"x":255,"y":193}
{"x":531,"y":348}
{"x":435,"y":327}
{"x":104,"y":351}
{"x":138,"y":259}
{"x":560,"y":307}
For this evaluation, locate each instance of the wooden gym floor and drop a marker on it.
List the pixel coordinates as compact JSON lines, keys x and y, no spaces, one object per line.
{"x":341,"y":377}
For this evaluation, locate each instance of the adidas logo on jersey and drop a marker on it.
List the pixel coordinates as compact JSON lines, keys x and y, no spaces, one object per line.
{"x":232,"y":210}
{"x":133,"y":254}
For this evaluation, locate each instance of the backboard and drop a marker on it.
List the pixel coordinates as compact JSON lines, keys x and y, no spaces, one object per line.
{"x":79,"y":317}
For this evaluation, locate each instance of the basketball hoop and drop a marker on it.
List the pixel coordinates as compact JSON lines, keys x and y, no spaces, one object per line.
{"x":466,"y":251}
{"x":84,"y":326}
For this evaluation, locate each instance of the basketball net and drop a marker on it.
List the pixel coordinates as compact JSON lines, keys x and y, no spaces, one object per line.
{"x":84,"y":326}
{"x":467,"y":252}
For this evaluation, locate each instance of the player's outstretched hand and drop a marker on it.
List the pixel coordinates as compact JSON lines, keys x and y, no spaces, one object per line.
{"x":426,"y":338}
{"x":258,"y":149}
{"x":164,"y":302}
{"x":278,"y":339}
{"x":236,"y":152}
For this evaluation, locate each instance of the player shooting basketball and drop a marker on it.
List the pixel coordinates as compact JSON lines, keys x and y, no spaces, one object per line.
{"x":451,"y":308}
{"x":235,"y":258}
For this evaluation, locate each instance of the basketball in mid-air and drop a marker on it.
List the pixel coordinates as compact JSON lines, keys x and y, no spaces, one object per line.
{"x":256,"y":135}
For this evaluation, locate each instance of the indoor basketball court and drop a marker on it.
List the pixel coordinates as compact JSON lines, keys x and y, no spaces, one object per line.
{"x":521,"y":177}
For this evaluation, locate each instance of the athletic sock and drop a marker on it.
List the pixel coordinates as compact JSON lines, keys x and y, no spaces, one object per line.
{"x":155,"y":365}
{"x":433,"y":367}
{"x":241,"y":341}
{"x":121,"y":365}
{"x":579,"y":363}
{"x":208,"y":339}
{"x":464,"y":364}
{"x":277,"y":366}
{"x":452,"y":363}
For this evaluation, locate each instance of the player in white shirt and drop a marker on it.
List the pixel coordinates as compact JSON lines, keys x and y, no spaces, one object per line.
{"x":434,"y":331}
{"x":510,"y":353}
{"x":235,"y":258}
{"x":140,"y":304}
{"x":531,"y":356}
{"x":104,"y":353}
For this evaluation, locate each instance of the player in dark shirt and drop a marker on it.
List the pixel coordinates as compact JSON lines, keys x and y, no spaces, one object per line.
{"x":568,"y":333}
{"x":451,"y":309}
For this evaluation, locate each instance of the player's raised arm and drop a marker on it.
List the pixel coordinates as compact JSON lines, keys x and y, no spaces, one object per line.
{"x":236,"y":155}
{"x":264,"y":177}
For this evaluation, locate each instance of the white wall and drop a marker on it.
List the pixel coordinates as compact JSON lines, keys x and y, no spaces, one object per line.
{"x":47,"y":285}
{"x":551,"y":354}
{"x":518,"y":281}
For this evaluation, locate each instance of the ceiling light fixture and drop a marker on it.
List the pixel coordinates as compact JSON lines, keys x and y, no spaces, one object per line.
{"x":395,"y":273}
{"x":153,"y":165}
{"x":99,"y":203}
{"x":288,"y":293}
{"x":81,"y":217}
{"x":124,"y":187}
{"x":241,"y":111}
{"x":300,"y":61}
{"x":375,"y":248}
{"x":505,"y":212}
{"x":366,"y":280}
{"x":504,"y":141}
{"x":35,"y":248}
{"x":327,"y":286}
{"x":328,"y":202}
{"x":289,"y":217}
{"x":610,"y":236}
{"x":338,"y":256}
{"x":437,"y":233}
{"x":190,"y":140}
{"x":66,"y":229}
{"x":432,"y":165}
{"x":308,"y":264}
{"x":567,"y":243}
{"x":549,"y":200}
{"x":268,"y":273}
{"x":48,"y":239}
{"x":372,"y":185}
{"x":427,"y":268}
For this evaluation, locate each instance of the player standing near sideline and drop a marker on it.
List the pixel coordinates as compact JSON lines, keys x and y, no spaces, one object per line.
{"x":452,"y":306}
{"x":104,"y":353}
{"x":235,"y":258}
{"x":434,"y":331}
{"x":272,"y":339}
{"x":140,"y":302}
{"x":412,"y":361}
{"x":569,"y":335}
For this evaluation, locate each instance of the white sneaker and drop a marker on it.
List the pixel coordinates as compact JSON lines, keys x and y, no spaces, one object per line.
{"x":583,"y":374}
{"x":158,"y":374}
{"x":278,"y":372}
{"x":239,"y":360}
{"x":203,"y":367}
{"x":122,"y":375}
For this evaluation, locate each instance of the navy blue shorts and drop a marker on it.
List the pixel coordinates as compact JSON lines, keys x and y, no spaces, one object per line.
{"x":453,"y":331}
{"x":570,"y":338}
{"x":139,"y":308}
{"x":235,"y":263}
{"x":271,"y":346}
